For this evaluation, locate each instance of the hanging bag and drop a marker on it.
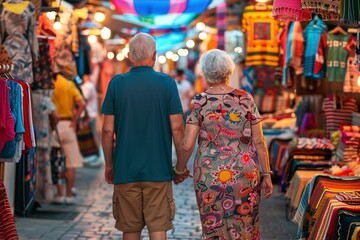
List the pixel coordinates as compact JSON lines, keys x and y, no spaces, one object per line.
{"x":58,"y":163}
{"x":86,"y":140}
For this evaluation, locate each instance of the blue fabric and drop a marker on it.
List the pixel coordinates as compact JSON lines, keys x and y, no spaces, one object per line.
{"x":347,"y":223}
{"x":142,"y":101}
{"x":312,"y":36}
{"x":15,"y":99}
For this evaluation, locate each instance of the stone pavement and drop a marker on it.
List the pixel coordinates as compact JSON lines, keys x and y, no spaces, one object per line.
{"x":92,"y":217}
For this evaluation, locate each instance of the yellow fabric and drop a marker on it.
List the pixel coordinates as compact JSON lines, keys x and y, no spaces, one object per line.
{"x":356,"y":234}
{"x":261,"y":32}
{"x":17,"y":8}
{"x":64,"y":96}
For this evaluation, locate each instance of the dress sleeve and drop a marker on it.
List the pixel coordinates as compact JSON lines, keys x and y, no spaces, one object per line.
{"x":194,"y":116}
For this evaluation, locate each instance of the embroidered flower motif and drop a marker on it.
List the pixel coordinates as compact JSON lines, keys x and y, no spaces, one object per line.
{"x":244,"y":208}
{"x":227,"y":204}
{"x":244,"y":191}
{"x":233,"y":117}
{"x":227,"y":150}
{"x":252,"y":198}
{"x":225,"y":175}
{"x":209,"y":197}
{"x":245,"y":159}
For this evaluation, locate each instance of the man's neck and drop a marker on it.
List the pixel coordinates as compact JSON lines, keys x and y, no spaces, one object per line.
{"x":144,"y":64}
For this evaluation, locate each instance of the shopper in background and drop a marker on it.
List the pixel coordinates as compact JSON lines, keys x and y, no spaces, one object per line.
{"x":226,"y":171}
{"x":65,"y":97}
{"x":186,"y":90}
{"x":143,"y":108}
{"x":90,"y":95}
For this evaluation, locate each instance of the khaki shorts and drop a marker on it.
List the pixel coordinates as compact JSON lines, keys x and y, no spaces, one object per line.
{"x":69,"y":144}
{"x":143,"y":203}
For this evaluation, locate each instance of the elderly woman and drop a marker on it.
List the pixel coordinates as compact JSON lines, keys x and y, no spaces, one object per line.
{"x":226,"y":168}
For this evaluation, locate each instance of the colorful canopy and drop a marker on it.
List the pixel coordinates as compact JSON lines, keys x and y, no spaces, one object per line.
{"x":160,"y":7}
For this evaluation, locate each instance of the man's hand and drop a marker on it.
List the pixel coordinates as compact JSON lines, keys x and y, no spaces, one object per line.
{"x":179,"y":178}
{"x":109,"y":175}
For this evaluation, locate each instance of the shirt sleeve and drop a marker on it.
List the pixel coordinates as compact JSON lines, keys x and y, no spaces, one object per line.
{"x":194,"y":116}
{"x":175,"y":104}
{"x":108,"y":105}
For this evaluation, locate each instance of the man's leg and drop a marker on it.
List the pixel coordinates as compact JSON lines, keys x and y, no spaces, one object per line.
{"x":131,"y":235}
{"x":158,"y":235}
{"x":70,"y":181}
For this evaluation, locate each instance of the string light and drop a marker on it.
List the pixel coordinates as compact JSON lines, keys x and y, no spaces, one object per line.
{"x":57,"y":24}
{"x":51,"y":15}
{"x":92,"y":39}
{"x":162,"y":59}
{"x":190,"y":43}
{"x":105,"y":33}
{"x":200,"y":26}
{"x":110,"y":55}
{"x":202,"y":35}
{"x":175,"y":57}
{"x":99,"y":16}
{"x":120,"y":57}
{"x":238,"y":50}
{"x":169,"y":54}
{"x":358,"y":82}
{"x":125,"y":51}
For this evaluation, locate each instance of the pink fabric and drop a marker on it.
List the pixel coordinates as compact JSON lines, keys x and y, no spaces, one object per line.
{"x":7,"y":125}
{"x":177,"y":6}
{"x":287,"y":10}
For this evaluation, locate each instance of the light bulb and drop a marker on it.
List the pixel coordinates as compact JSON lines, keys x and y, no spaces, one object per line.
{"x":175,"y":57}
{"x":169,"y":54}
{"x":51,"y":15}
{"x":190,"y":43}
{"x":358,"y":81}
{"x":202,"y":35}
{"x":110,"y":55}
{"x":238,"y":50}
{"x":105,"y":33}
{"x":99,"y":16}
{"x":200,"y":26}
{"x":120,"y":57}
{"x":186,"y":52}
{"x":162,"y":59}
{"x":57,"y":24}
{"x":92,"y":39}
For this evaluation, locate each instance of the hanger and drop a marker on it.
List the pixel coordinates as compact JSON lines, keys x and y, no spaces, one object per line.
{"x":339,"y":30}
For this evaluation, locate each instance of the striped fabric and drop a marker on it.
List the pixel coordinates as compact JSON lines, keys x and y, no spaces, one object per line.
{"x":161,"y":7}
{"x":313,"y":225}
{"x":338,"y":112}
{"x":7,"y":225}
{"x":221,"y":25}
{"x":261,"y":32}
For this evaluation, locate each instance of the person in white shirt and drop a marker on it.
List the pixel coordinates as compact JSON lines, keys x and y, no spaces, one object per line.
{"x":186,"y":90}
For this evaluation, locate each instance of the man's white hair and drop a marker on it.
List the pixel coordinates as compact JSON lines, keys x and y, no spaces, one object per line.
{"x":141,"y":47}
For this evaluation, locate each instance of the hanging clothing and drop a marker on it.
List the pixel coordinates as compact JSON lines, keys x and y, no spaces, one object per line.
{"x":261,"y":30}
{"x":352,"y":71}
{"x":83,"y":58}
{"x":336,"y":57}
{"x":7,"y":224}
{"x":292,"y":49}
{"x":328,"y":9}
{"x":18,"y":36}
{"x":65,"y":51}
{"x":7,"y":124}
{"x":43,"y":74}
{"x":287,"y":10}
{"x":10,"y":153}
{"x":350,"y":11}
{"x":312,"y":35}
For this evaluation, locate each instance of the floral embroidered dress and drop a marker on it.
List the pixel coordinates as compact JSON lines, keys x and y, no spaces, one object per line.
{"x":226,"y":172}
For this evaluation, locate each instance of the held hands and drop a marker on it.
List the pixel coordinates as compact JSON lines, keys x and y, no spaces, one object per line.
{"x":267,"y":186}
{"x":180,"y":176}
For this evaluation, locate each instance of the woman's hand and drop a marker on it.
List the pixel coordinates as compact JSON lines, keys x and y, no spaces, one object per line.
{"x":267,"y":186}
{"x":179,"y":178}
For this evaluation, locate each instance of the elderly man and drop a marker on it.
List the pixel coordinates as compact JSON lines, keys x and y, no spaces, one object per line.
{"x":143,"y":108}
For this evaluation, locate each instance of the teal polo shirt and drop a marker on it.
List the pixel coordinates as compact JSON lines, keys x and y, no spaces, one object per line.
{"x":142,"y":101}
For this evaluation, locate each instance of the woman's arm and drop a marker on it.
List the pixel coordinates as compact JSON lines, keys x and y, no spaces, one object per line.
{"x":187,"y":146}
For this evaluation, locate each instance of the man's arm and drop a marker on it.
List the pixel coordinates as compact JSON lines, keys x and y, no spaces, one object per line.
{"x":107,"y":144}
{"x":177,"y":128}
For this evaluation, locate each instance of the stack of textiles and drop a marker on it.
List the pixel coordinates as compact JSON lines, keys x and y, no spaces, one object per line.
{"x":349,"y":197}
{"x":348,"y":148}
{"x":277,"y":150}
{"x":305,"y":154}
{"x":348,"y":225}
{"x":317,"y":214}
